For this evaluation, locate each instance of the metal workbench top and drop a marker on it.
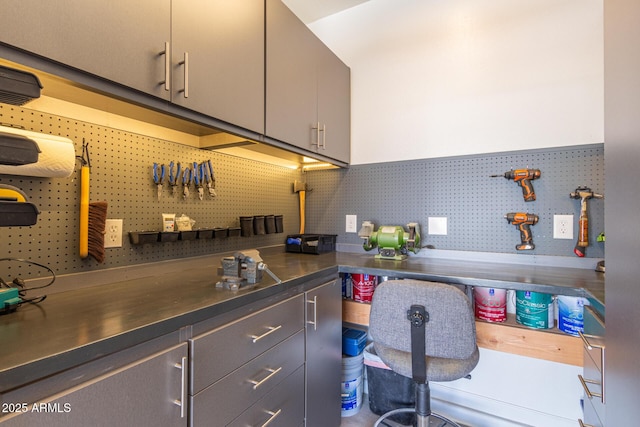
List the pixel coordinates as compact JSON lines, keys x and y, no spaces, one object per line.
{"x":74,"y":327}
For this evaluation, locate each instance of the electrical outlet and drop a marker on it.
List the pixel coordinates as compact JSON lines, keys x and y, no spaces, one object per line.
{"x":352,"y":224}
{"x":113,"y":233}
{"x":563,"y":226}
{"x":437,"y":225}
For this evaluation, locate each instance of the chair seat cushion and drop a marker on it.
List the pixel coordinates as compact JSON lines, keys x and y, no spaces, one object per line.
{"x":438,"y":369}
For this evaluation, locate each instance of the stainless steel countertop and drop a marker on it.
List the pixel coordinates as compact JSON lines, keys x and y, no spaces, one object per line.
{"x":73,"y":327}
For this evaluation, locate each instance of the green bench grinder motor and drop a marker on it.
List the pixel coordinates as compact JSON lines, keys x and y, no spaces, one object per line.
{"x":392,"y":241}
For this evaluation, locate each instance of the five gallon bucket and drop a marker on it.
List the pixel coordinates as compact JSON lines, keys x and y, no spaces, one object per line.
{"x":571,"y":314}
{"x":534,"y":309}
{"x":490,"y":304}
{"x":352,"y":384}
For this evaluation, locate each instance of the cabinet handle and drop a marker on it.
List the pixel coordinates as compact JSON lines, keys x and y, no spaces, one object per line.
{"x":317,"y":129}
{"x":271,"y":330}
{"x":183,"y":385}
{"x":586,"y":342}
{"x":590,"y":346}
{"x":167,"y":66}
{"x":272,"y":417}
{"x":314,"y":301}
{"x":324,"y":136}
{"x":582,"y":424}
{"x":185,"y":62}
{"x":588,"y":392}
{"x":272,"y":372}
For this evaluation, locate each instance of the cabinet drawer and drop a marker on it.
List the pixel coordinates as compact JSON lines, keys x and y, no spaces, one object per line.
{"x":229,"y":397}
{"x":217,"y":353}
{"x":283,"y":406}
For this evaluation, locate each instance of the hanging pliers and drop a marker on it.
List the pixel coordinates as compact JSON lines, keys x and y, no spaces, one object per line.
{"x":158,"y":178}
{"x":197,"y":178}
{"x":173,"y":179}
{"x":186,"y":181}
{"x":211,"y":178}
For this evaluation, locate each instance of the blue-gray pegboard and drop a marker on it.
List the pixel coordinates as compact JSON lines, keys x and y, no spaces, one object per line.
{"x":460,"y":188}
{"x":121,"y":166}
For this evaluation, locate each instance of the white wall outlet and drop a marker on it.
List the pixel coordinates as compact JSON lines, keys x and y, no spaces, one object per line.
{"x":113,"y":233}
{"x":563,"y":226}
{"x":437,"y":225}
{"x":352,"y":224}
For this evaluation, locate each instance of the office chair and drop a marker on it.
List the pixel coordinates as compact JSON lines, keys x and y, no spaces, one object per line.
{"x":425,"y":331}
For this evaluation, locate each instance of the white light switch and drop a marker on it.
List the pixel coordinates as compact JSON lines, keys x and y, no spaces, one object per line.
{"x":351,"y":224}
{"x":437,"y":225}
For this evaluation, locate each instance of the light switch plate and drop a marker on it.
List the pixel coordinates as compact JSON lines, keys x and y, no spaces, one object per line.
{"x":437,"y":225}
{"x":351,"y":224}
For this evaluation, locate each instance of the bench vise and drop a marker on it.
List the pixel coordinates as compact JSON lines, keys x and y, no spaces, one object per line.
{"x":242,"y":269}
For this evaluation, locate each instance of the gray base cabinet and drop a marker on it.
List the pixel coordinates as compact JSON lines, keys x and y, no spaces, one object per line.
{"x":150,"y":391}
{"x":592,"y":379}
{"x":324,"y":355}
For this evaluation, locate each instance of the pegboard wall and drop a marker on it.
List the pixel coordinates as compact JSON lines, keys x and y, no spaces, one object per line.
{"x":121,"y":174}
{"x":460,"y":188}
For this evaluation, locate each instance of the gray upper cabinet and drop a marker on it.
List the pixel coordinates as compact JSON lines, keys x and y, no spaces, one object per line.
{"x":218,"y":59}
{"x":308,"y":88}
{"x":118,"y":40}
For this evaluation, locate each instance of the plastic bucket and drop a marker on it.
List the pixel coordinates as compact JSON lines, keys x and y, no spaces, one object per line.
{"x":571,"y":314}
{"x":352,"y":384}
{"x":363,"y":286}
{"x":534,"y":309}
{"x":490,"y":304}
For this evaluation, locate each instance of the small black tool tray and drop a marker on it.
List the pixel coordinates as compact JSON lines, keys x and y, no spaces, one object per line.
{"x":311,"y":243}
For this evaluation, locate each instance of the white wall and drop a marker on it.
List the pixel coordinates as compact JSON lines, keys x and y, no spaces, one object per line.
{"x":433,"y":78}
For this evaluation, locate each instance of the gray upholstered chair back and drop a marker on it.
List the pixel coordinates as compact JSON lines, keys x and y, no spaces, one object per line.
{"x":450,"y":331}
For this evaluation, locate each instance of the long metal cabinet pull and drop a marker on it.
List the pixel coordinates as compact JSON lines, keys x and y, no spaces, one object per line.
{"x":317,"y":129}
{"x":273,"y":417}
{"x":314,"y":301}
{"x":182,"y":403}
{"x":167,"y":66}
{"x":590,"y":346}
{"x":272,"y":372}
{"x":185,"y":62}
{"x":271,"y":330}
{"x":324,"y":136}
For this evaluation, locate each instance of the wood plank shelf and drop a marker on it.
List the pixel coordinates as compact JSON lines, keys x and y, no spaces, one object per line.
{"x":508,"y":337}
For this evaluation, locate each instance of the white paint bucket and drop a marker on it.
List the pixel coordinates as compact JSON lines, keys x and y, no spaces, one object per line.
{"x":571,"y":314}
{"x":352,"y":384}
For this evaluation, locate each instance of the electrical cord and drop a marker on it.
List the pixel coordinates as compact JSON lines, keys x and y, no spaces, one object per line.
{"x":19,"y":283}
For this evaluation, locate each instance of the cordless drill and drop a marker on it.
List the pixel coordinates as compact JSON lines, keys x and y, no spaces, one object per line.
{"x":523,"y":221}
{"x":523,"y":178}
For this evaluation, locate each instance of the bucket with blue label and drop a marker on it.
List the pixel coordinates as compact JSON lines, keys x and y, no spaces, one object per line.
{"x":571,"y":314}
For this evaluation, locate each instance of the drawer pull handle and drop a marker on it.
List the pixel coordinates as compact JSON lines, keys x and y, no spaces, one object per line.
{"x":582,"y":424}
{"x":183,"y":385}
{"x":272,"y":372}
{"x":271,"y":330}
{"x":274,"y":415}
{"x":314,"y":301}
{"x":586,"y":387}
{"x":586,"y":342}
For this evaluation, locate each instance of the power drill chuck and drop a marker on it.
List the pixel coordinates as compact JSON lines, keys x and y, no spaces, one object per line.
{"x":523,"y":221}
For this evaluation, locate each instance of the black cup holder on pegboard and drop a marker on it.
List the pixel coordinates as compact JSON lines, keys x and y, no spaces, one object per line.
{"x":311,"y":243}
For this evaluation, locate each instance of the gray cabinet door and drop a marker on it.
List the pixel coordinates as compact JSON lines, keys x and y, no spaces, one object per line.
{"x":308,"y":88}
{"x":118,"y":40}
{"x":334,"y":106}
{"x":291,"y":109}
{"x":224,"y":44}
{"x":146,"y":393}
{"x":324,"y":355}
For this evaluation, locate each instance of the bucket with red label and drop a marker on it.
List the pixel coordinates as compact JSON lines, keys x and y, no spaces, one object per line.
{"x":363,"y":286}
{"x":490,"y":304}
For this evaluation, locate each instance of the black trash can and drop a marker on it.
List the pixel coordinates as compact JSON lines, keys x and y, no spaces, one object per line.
{"x":388,"y":390}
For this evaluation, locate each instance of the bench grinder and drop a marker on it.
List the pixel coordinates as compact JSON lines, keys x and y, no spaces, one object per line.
{"x":393,"y":241}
